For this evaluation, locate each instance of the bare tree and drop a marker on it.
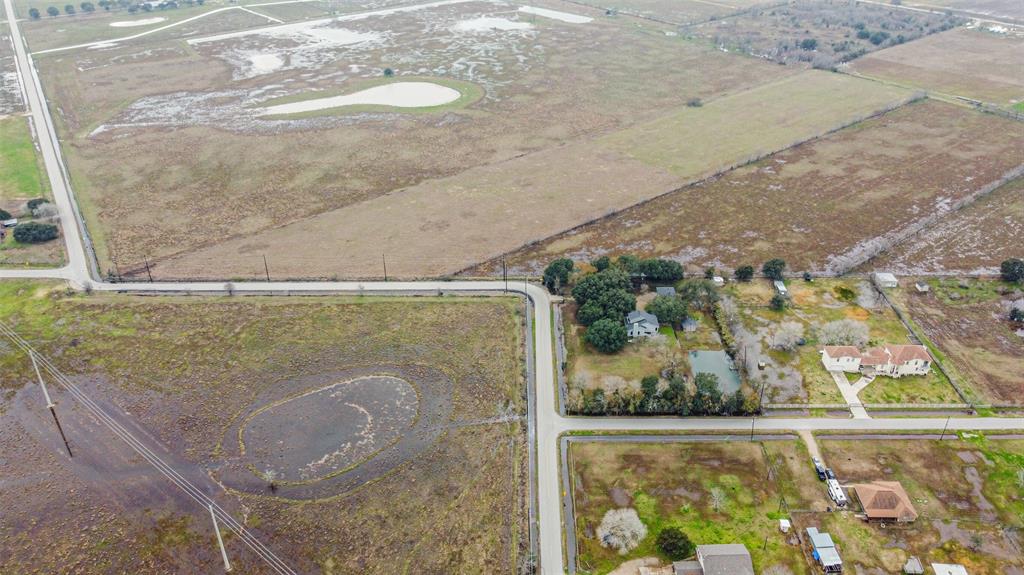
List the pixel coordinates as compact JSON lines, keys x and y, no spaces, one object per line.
{"x":788,"y":335}
{"x":844,"y":332}
{"x":717,"y":498}
{"x":867,"y":296}
{"x":621,"y":529}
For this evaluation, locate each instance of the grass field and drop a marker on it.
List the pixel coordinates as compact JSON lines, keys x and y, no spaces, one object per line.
{"x":246,"y":185}
{"x":679,"y":12}
{"x":669,"y":484}
{"x":184,"y":368}
{"x":805,"y":204}
{"x":796,"y":376}
{"x":22,"y":179}
{"x":975,"y":239}
{"x":966,"y":492}
{"x":996,"y":8}
{"x":966,"y":319}
{"x":624,"y":167}
{"x":973,"y":63}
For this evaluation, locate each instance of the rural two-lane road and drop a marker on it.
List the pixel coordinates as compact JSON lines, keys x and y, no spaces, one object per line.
{"x":81,"y":273}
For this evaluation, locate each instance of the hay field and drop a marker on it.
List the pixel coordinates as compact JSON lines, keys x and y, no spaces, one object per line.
{"x":973,"y":63}
{"x":975,"y":239}
{"x":679,"y":12}
{"x":444,"y":225}
{"x":807,"y":204}
{"x":202,"y":159}
{"x":186,"y":370}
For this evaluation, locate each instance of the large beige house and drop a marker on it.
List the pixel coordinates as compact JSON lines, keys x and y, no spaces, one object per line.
{"x":888,"y":360}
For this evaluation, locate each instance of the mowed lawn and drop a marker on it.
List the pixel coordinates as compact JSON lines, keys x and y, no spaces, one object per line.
{"x":22,"y":178}
{"x":670,"y":484}
{"x":184,"y":367}
{"x":966,"y":491}
{"x":974,"y":63}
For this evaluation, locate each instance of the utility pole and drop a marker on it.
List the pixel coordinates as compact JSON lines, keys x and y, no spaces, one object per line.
{"x":385,"y":260}
{"x":504,"y":273}
{"x":49,"y":402}
{"x":148,"y":272}
{"x":752,"y":420}
{"x":220,"y":541}
{"x":943,"y":436}
{"x":266,"y":268}
{"x":760,"y":401}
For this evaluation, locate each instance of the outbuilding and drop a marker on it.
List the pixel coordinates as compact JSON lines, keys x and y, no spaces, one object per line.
{"x":665,"y":291}
{"x":824,"y":551}
{"x":780,"y":287}
{"x":949,"y":569}
{"x":885,"y":280}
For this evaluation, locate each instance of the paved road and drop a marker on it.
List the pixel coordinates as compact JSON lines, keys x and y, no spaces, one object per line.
{"x":549,"y":424}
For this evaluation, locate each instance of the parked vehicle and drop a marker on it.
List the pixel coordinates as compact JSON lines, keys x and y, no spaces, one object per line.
{"x":835,"y":492}
{"x":819,"y":468}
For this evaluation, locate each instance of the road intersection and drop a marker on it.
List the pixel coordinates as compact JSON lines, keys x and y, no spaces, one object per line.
{"x":81,"y":273}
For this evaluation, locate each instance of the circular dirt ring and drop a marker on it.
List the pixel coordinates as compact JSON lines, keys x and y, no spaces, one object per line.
{"x":327,"y":434}
{"x":329,"y":429}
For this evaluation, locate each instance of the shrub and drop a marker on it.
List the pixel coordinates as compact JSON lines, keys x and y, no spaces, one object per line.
{"x":52,"y":11}
{"x":675,"y":544}
{"x":556,"y":275}
{"x":607,"y":335}
{"x":844,"y":332}
{"x":774,"y":268}
{"x":388,"y":72}
{"x":778,"y":302}
{"x":35,"y":233}
{"x":808,"y":44}
{"x":1012,"y":270}
{"x":670,"y":310}
{"x":694,"y":102}
{"x":4,"y":214}
{"x":33,"y":13}
{"x":602,"y":263}
{"x":707,"y":399}
{"x":621,"y":529}
{"x":722,"y":322}
{"x":744,"y":273}
{"x":35,"y":203}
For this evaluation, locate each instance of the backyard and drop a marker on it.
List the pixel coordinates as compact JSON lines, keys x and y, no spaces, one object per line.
{"x":966,"y":320}
{"x":797,"y":375}
{"x":21,"y":179}
{"x":967,"y":493}
{"x":671,"y":484}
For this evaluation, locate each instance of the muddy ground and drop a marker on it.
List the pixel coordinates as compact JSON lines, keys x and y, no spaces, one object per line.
{"x":181,"y":373}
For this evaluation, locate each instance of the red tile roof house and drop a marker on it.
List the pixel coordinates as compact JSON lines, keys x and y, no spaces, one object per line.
{"x":888,"y":360}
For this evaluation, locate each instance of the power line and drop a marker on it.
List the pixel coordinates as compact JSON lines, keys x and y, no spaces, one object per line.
{"x":152,"y":458}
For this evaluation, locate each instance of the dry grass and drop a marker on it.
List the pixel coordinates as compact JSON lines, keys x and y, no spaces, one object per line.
{"x":669,"y":485}
{"x":997,"y":8}
{"x":807,"y":204}
{"x":680,"y":12}
{"x":237,"y":181}
{"x":183,"y":367}
{"x":966,"y":319}
{"x":955,"y":516}
{"x":972,"y":63}
{"x":975,"y":239}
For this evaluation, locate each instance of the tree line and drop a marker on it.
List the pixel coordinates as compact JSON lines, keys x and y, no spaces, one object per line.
{"x":107,"y":5}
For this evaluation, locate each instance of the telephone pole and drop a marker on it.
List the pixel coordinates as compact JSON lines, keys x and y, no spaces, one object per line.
{"x":384,"y":259}
{"x":220,"y":541}
{"x":944,"y":427}
{"x":266,"y":268}
{"x":148,"y":272}
{"x":49,"y":402}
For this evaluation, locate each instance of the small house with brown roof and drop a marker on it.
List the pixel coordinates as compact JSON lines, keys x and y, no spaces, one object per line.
{"x":885,"y":501}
